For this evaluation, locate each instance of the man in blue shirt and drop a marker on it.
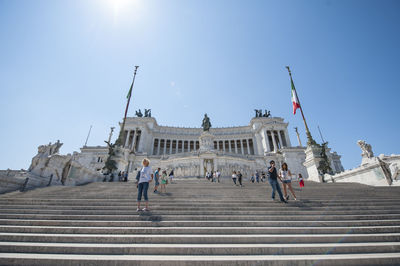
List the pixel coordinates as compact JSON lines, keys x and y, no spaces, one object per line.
{"x":273,"y":181}
{"x":157,"y":179}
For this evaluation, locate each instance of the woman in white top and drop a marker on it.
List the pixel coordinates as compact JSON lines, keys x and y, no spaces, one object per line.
{"x":234,"y":176}
{"x":286,"y":177}
{"x":146,"y":176}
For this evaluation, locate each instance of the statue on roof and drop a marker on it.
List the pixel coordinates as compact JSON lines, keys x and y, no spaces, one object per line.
{"x":139,"y":113}
{"x":206,"y":123}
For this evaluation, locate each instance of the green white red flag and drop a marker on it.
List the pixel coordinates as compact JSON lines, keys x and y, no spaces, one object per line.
{"x":295,"y":99}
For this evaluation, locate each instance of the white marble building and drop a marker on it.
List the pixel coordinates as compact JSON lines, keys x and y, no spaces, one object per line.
{"x":192,"y":151}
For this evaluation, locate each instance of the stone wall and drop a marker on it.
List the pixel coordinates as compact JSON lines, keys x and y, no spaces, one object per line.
{"x":371,"y":172}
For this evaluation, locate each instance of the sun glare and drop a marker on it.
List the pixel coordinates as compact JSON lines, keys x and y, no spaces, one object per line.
{"x":120,"y":7}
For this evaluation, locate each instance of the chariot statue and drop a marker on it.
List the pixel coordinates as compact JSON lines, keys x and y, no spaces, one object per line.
{"x":139,"y":113}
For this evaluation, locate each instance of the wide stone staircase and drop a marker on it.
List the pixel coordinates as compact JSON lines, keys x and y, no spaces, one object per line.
{"x":201,"y":223}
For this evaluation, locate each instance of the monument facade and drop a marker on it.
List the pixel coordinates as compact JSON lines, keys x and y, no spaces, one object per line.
{"x":191,"y":152}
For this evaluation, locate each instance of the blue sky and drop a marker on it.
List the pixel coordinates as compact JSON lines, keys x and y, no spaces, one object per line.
{"x":66,"y":65}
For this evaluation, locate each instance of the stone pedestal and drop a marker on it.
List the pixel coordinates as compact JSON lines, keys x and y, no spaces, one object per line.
{"x":313,"y":158}
{"x":121,"y":158}
{"x":206,"y":142}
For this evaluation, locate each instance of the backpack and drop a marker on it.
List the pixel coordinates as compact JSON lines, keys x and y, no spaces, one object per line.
{"x":138,"y":175}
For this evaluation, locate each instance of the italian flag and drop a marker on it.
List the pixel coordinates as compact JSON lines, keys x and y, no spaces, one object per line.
{"x":130,"y":92}
{"x":295,"y":99}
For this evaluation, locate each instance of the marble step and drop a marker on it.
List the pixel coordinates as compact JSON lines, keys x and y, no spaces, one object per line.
{"x":191,"y":223}
{"x":165,"y":217}
{"x":200,"y":238}
{"x":202,"y":212}
{"x":199,"y":249}
{"x":161,"y":206}
{"x":199,"y":230}
{"x":173,"y":260}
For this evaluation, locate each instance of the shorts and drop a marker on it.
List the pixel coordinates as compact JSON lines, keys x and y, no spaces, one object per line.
{"x":286,"y":181}
{"x":157,"y":181}
{"x":163,"y":182}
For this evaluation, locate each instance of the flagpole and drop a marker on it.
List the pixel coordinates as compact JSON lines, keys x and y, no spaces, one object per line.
{"x":310,"y":140}
{"x":119,"y":140}
{"x":87,"y":138}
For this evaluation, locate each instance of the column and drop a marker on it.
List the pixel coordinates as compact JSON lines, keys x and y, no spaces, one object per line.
{"x":128,"y":132}
{"x":188,"y":145}
{"x":287,"y":138}
{"x":132,"y":147}
{"x":230,"y":148}
{"x":258,"y":147}
{"x":170,"y":146}
{"x":165,"y":146}
{"x":280,"y":138}
{"x":176,"y":146}
{"x":248,"y":147}
{"x":241,"y":144}
{"x":236,"y":151}
{"x":266,"y":142}
{"x":273,"y":140}
{"x":223,"y":145}
{"x":158,"y":146}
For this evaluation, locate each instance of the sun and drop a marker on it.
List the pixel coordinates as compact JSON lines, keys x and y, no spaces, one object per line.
{"x":119,"y":7}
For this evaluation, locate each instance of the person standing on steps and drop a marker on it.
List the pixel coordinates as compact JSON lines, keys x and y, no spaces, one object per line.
{"x":301,"y":181}
{"x":286,"y":177}
{"x":171,"y":175}
{"x":146,"y":176}
{"x":164,"y":179}
{"x":273,"y":181}
{"x":156,"y":179}
{"x":125,"y":176}
{"x":239,"y":175}
{"x":234,"y":176}
{"x":218,"y":175}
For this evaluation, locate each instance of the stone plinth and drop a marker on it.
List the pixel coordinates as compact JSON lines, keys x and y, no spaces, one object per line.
{"x":313,"y":158}
{"x":206,"y":142}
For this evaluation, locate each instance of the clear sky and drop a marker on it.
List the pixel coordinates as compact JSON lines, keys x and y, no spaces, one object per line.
{"x":66,"y":65}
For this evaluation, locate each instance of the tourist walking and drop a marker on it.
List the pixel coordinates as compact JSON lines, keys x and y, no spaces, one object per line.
{"x":301,"y":181}
{"x":239,"y":176}
{"x":125,"y":175}
{"x":156,"y":179}
{"x":119,"y":176}
{"x":164,"y":180}
{"x":273,"y":181}
{"x":146,"y":176}
{"x":111,"y":177}
{"x":218,"y":175}
{"x":171,"y":175}
{"x":234,"y":177}
{"x":286,"y":178}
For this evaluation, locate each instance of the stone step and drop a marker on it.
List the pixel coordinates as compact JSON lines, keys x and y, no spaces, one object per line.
{"x":172,"y":260}
{"x":150,"y":217}
{"x":199,"y":239}
{"x":216,"y":223}
{"x":161,"y":206}
{"x":200,"y":230}
{"x":202,"y":212}
{"x":199,"y":249}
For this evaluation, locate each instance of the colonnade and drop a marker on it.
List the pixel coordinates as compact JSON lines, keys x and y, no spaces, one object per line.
{"x":168,"y":146}
{"x":132,"y":139}
{"x":274,"y":140}
{"x":238,"y":146}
